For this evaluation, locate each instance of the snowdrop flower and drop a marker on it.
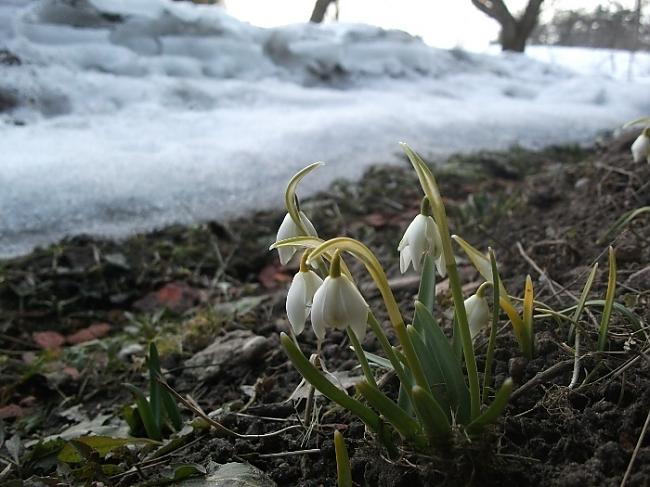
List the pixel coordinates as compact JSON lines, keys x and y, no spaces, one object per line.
{"x":641,"y":146}
{"x":301,"y":294}
{"x":421,"y":236}
{"x":338,"y":304}
{"x":289,"y":229}
{"x":478,"y":313}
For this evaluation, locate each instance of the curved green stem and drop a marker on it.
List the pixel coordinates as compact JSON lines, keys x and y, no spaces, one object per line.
{"x":365,"y":255}
{"x":290,"y":196}
{"x":361,"y":357}
{"x":430,"y":187}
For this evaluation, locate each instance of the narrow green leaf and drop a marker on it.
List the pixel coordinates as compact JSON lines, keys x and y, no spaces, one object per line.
{"x":583,"y":299}
{"x":401,"y":421}
{"x":427,"y":290}
{"x":144,"y":410}
{"x":489,"y":354}
{"x":379,"y":361}
{"x":102,"y":445}
{"x":343,"y":469}
{"x":329,"y":390}
{"x":492,"y":413}
{"x":622,"y":222}
{"x":529,"y":336}
{"x":609,"y":301}
{"x":188,"y":470}
{"x":449,"y":364}
{"x":434,"y":420}
{"x":171,"y":407}
{"x":154,"y":387}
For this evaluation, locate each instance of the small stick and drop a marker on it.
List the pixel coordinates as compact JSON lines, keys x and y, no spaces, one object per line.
{"x":543,"y":376}
{"x":628,"y":472}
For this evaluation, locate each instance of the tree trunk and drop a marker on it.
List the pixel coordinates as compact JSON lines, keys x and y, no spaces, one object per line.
{"x":318,"y":14}
{"x":512,"y":38}
{"x":514,"y":31}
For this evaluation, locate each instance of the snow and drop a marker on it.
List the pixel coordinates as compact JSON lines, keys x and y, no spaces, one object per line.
{"x":135,"y":114}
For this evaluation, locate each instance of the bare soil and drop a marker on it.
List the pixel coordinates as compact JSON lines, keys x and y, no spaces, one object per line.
{"x":545,"y":214}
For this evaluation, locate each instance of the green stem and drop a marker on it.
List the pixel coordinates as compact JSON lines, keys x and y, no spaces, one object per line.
{"x":365,"y":255}
{"x":430,"y":187}
{"x":489,"y":356}
{"x":361,"y":357}
{"x":329,"y":390}
{"x":388,"y":350}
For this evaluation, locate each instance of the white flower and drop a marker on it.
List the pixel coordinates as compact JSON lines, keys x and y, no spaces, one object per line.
{"x":339,"y":304}
{"x":441,"y":265}
{"x":299,"y":298}
{"x":641,"y":147}
{"x":289,"y":229}
{"x":421,"y":236}
{"x":478,"y":314}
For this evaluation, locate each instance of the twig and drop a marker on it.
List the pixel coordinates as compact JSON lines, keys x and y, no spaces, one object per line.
{"x":218,"y":426}
{"x":543,"y":376}
{"x":285,"y":453}
{"x":636,"y":450}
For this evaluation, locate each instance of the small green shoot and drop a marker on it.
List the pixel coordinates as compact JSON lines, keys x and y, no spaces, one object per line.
{"x":343,"y":469}
{"x":609,"y":301}
{"x":154,"y":412}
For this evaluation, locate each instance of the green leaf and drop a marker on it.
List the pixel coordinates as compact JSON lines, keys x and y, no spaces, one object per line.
{"x":609,"y":301}
{"x":434,"y":420}
{"x":154,"y":386}
{"x":448,"y":363}
{"x":343,"y":469}
{"x":583,"y":299}
{"x":101,"y":445}
{"x":329,"y":390}
{"x":435,"y":379}
{"x":144,"y":410}
{"x":489,"y":354}
{"x":492,"y":413}
{"x":187,"y":470}
{"x":395,"y":415}
{"x":622,"y":222}
{"x":379,"y":361}
{"x":427,"y":290}
{"x":171,"y":407}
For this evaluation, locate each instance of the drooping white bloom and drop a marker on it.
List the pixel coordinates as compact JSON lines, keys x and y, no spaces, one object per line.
{"x":300,"y":297}
{"x":641,"y":147}
{"x":421,"y":236}
{"x":441,"y":265}
{"x":339,"y":304}
{"x":478,"y":314}
{"x":289,"y":229}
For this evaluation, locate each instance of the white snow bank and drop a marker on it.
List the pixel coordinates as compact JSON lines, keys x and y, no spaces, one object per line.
{"x":134,"y":114}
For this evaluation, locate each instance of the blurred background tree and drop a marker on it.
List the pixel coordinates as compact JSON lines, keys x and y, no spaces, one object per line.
{"x":320,"y":9}
{"x":514,"y":30}
{"x":608,"y":26}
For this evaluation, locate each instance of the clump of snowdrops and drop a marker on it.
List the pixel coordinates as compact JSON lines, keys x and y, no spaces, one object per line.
{"x":440,"y":385}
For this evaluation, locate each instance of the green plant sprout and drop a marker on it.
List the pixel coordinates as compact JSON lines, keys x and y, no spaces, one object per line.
{"x":343,"y":469}
{"x":159,"y":413}
{"x":440,"y":391}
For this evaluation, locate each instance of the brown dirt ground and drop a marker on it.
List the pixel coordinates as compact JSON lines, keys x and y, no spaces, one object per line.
{"x":539,"y":211}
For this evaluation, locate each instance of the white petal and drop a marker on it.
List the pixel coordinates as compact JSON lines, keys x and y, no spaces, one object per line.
{"x":478,"y":314}
{"x":433,"y":236}
{"x":312,"y":283}
{"x":404,"y":259}
{"x":641,"y":148}
{"x":355,"y":306}
{"x":334,"y":312}
{"x":296,"y":303}
{"x":417,"y":237}
{"x":288,"y":229}
{"x":441,"y":265}
{"x":317,"y":311}
{"x":308,"y":225}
